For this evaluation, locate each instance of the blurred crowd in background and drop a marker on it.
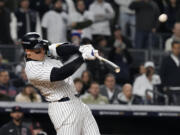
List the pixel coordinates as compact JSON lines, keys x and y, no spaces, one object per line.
{"x":20,"y":126}
{"x":127,"y":32}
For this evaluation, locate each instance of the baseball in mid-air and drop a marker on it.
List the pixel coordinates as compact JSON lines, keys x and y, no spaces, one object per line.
{"x":163,"y":18}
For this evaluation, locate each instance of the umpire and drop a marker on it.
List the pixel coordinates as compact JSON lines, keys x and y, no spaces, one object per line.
{"x":15,"y":126}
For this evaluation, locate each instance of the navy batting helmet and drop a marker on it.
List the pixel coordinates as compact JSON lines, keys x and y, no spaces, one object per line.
{"x":32,"y":40}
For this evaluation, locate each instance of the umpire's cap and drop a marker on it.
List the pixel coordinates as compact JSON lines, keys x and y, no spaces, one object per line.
{"x":32,"y":40}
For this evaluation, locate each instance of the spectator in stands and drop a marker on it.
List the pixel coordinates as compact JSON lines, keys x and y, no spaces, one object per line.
{"x":170,"y":73}
{"x":5,"y":20}
{"x":16,"y":126}
{"x":54,"y":23}
{"x":103,"y":13}
{"x":119,"y":38}
{"x":110,"y":89}
{"x":80,"y":19}
{"x":162,"y":4}
{"x":42,"y":6}
{"x":142,"y":69}
{"x":175,"y":36}
{"x":121,"y":56}
{"x":3,"y":63}
{"x":78,"y":85}
{"x":21,"y":80}
{"x":127,"y":18}
{"x":23,"y":76}
{"x":7,"y":90}
{"x":126,"y":96}
{"x":149,"y":12}
{"x":94,"y":97}
{"x":76,"y":38}
{"x":3,"y":97}
{"x":146,"y":82}
{"x":27,"y":19}
{"x":99,"y":69}
{"x":102,"y":46}
{"x":37,"y":129}
{"x":86,"y":79}
{"x":171,"y":11}
{"x":28,"y":94}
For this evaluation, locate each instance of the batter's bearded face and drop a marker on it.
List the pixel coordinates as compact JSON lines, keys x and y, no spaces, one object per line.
{"x":35,"y":54}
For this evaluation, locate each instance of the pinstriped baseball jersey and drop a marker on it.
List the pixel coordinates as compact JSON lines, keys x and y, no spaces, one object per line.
{"x":38,"y":73}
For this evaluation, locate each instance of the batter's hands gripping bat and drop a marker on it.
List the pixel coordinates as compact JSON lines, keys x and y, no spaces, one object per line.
{"x":115,"y":67}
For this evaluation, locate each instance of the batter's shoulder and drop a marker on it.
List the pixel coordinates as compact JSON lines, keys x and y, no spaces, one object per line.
{"x":33,"y":67}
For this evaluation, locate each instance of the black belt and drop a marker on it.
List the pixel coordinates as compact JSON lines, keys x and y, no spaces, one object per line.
{"x":64,"y":99}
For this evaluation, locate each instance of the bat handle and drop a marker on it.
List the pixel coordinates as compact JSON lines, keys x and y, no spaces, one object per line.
{"x":98,"y":57}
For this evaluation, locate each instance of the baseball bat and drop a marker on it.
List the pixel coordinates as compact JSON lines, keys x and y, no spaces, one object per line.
{"x":115,"y":67}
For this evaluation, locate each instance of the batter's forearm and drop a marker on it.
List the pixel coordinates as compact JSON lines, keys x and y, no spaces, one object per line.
{"x":58,"y":74}
{"x":67,"y":49}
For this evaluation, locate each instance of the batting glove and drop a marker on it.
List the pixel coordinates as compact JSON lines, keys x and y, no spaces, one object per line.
{"x":89,"y":54}
{"x":84,"y":48}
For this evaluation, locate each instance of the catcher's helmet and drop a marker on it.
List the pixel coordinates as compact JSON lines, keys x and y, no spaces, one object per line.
{"x":32,"y":40}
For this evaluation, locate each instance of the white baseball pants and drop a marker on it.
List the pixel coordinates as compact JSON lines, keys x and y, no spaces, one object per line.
{"x":72,"y":118}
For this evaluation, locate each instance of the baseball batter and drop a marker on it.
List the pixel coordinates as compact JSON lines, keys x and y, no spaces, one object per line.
{"x":68,"y":114}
